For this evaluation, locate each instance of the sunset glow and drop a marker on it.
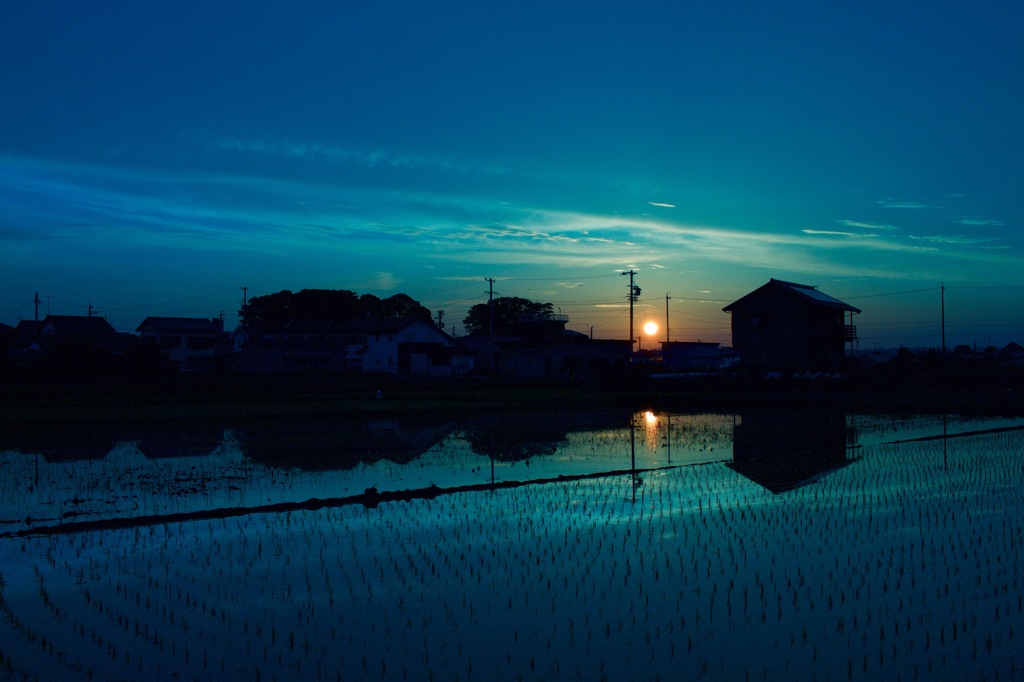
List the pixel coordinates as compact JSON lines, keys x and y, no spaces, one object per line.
{"x":156,"y":160}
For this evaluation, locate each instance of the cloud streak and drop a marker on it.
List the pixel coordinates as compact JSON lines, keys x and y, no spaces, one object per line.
{"x":373,"y":234}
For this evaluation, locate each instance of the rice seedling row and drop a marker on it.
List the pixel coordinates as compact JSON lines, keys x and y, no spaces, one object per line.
{"x":903,"y":565}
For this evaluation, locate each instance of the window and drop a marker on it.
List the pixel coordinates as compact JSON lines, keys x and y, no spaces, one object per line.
{"x":200,"y":343}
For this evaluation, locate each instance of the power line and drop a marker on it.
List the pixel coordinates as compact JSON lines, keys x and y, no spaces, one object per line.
{"x":893,"y":293}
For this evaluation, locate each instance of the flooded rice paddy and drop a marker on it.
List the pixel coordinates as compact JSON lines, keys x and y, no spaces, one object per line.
{"x":642,"y":546}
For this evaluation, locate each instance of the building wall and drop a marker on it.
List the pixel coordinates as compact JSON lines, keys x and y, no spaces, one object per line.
{"x":775,"y":332}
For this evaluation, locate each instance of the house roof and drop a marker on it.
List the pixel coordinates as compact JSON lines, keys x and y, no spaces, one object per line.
{"x":28,"y":326}
{"x":179,"y":324}
{"x":78,"y":325}
{"x":805,"y":292}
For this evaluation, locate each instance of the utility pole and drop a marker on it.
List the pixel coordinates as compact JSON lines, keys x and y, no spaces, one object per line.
{"x":37,"y":306}
{"x":668,"y":330}
{"x":943,"y":302}
{"x":92,"y":311}
{"x":440,"y":319}
{"x":245,"y":295}
{"x":634,"y":294}
{"x":490,"y":324}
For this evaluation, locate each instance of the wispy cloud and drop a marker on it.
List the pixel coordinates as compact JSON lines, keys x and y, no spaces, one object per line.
{"x":376,"y":231}
{"x":384,"y":281}
{"x":978,"y":222}
{"x":893,"y":203}
{"x":957,"y":240}
{"x":865,"y":225}
{"x":853,"y":235}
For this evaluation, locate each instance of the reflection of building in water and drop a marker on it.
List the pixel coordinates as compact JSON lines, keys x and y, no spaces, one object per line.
{"x":781,"y":451}
{"x":190,"y":442}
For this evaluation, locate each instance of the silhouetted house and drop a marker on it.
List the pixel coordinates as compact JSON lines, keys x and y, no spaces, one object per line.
{"x":1012,"y":354}
{"x":88,"y":330}
{"x":70,"y":343}
{"x":192,"y":343}
{"x":544,"y":348}
{"x":787,"y":327}
{"x":298,"y":346}
{"x":401,"y":345}
{"x":691,"y":356}
{"x":24,"y":349}
{"x":407,"y":345}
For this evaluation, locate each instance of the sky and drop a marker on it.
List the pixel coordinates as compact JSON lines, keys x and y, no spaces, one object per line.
{"x":171,"y":158}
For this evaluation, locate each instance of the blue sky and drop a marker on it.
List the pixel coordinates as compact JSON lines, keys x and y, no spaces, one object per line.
{"x":156,"y":157}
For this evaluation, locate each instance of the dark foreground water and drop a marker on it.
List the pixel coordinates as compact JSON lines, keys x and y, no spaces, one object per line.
{"x":718,"y":547}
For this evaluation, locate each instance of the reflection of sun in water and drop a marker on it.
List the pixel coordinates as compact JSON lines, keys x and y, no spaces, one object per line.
{"x":651,"y":328}
{"x":650,"y":435}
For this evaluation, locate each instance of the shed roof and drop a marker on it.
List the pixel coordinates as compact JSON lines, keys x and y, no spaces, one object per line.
{"x":806,"y":292}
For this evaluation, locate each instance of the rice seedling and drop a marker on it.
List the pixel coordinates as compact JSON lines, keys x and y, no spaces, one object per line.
{"x":901,"y":564}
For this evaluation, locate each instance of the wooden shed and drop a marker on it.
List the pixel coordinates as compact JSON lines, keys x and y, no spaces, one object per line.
{"x":787,"y":327}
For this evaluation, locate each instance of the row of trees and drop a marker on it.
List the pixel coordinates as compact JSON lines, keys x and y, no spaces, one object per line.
{"x":278,"y":309}
{"x":342,"y":305}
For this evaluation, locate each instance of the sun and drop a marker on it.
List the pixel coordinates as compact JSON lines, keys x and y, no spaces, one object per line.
{"x":651,"y":328}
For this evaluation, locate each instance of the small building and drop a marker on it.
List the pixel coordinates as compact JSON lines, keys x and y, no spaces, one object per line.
{"x":691,"y":356}
{"x":1012,"y":354}
{"x":192,"y":343}
{"x":79,"y":329}
{"x":398,"y":345}
{"x":544,"y":348}
{"x":69,"y":344}
{"x":408,"y":345}
{"x":788,"y":327}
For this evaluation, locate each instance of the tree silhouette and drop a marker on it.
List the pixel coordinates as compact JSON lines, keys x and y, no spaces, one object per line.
{"x":508,"y":311}
{"x":341,"y":305}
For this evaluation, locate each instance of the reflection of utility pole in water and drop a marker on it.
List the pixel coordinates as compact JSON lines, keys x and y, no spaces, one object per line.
{"x":668,"y":436}
{"x":632,"y":451}
{"x":945,"y":441}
